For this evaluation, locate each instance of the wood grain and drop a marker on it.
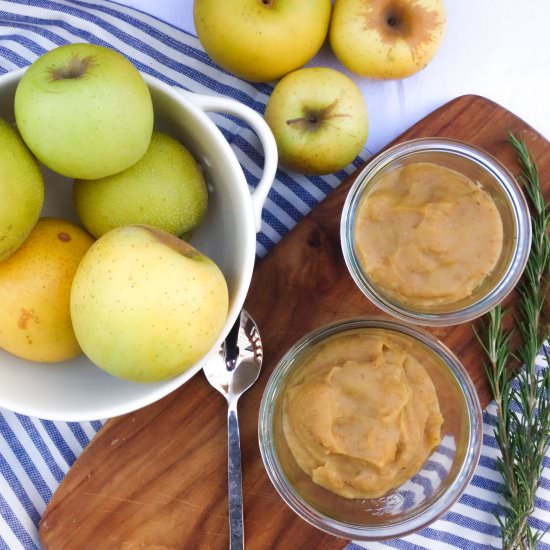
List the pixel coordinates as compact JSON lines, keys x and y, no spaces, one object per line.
{"x":156,"y":478}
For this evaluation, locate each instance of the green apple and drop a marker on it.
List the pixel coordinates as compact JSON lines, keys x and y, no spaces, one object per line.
{"x":84,"y":111}
{"x":21,"y":191}
{"x":319,"y":119}
{"x":261,"y":40}
{"x":390,"y":39}
{"x":165,"y":189}
{"x":146,"y":305}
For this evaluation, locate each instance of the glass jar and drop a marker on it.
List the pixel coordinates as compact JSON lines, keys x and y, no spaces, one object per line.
{"x":418,"y":501}
{"x":493,"y":178}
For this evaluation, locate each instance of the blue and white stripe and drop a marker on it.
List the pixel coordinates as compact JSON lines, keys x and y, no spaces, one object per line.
{"x":35,"y":454}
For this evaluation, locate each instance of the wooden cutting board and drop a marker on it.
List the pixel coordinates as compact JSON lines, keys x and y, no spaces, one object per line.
{"x":156,"y":478}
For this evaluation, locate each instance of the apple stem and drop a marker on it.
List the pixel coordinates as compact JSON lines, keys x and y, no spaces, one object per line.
{"x":310,"y":119}
{"x":313,"y":118}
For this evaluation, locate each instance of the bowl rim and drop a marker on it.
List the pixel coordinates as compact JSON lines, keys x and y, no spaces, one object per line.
{"x":515,"y":199}
{"x":161,"y":389}
{"x":351,"y":530}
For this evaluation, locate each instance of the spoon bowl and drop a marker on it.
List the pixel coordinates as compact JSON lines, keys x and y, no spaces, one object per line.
{"x":237,"y":364}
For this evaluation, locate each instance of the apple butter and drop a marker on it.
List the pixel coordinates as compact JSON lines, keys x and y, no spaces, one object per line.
{"x":361,"y":415}
{"x":427,"y":235}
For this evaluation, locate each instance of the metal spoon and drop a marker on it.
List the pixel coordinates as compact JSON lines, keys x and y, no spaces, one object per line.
{"x":232,"y":372}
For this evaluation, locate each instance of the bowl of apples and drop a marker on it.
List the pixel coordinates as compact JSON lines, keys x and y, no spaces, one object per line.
{"x":127,"y":234}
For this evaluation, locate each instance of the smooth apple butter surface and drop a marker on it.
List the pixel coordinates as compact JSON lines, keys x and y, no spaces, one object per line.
{"x":361,"y":416}
{"x":428,"y":234}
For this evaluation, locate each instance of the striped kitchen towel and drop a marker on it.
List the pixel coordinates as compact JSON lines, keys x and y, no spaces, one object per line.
{"x":35,"y":454}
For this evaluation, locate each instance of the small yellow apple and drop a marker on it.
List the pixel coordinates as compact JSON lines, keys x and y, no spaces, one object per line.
{"x":146,"y":305}
{"x":261,"y":40}
{"x":386,"y":38}
{"x":35,"y":285}
{"x":319,"y":119}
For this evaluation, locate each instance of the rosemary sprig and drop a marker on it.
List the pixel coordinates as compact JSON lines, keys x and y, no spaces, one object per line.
{"x":523,"y":405}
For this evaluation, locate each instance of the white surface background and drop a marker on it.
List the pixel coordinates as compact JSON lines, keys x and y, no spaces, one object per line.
{"x":499,"y":49}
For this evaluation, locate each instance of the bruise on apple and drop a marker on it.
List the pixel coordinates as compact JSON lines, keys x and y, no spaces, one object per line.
{"x":25,"y":316}
{"x":313,"y":118}
{"x":172,"y":241}
{"x":397,"y":19}
{"x":76,"y":67}
{"x":63,"y":236}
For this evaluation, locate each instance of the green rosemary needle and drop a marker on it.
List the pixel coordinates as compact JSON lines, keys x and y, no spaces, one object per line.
{"x":522,"y":430}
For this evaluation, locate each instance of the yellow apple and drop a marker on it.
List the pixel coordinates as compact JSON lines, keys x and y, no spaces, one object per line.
{"x":319,"y":119}
{"x":146,"y":305}
{"x":261,"y":40}
{"x":35,"y":285}
{"x":387,"y":38}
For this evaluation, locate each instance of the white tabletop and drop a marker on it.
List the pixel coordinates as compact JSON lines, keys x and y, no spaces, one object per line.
{"x":499,"y":49}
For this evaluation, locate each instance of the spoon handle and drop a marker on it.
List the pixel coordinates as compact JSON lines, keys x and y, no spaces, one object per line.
{"x":234,"y":477}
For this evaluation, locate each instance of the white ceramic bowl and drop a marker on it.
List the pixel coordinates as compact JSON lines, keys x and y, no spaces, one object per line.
{"x":77,"y":390}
